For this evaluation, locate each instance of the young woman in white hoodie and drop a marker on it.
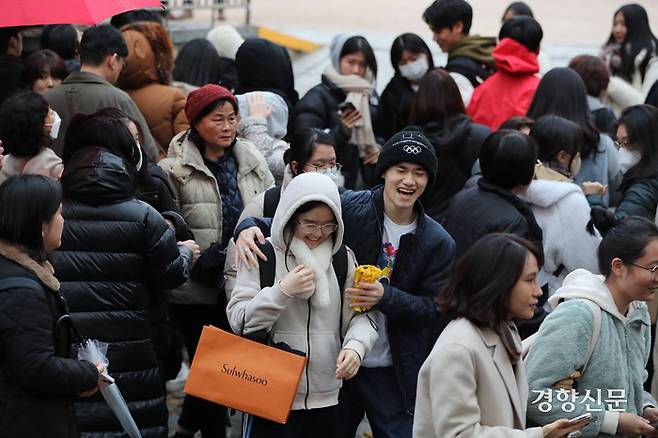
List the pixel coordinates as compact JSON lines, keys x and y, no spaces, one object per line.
{"x":305,"y":307}
{"x":559,"y":205}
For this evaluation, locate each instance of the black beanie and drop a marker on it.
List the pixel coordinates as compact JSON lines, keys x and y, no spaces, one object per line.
{"x":408,"y":146}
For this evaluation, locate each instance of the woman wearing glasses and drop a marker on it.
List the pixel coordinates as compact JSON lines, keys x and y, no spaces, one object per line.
{"x":304,"y":307}
{"x":609,"y":370}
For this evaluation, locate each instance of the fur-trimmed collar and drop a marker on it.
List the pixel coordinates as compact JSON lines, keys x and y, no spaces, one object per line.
{"x":44,"y":271}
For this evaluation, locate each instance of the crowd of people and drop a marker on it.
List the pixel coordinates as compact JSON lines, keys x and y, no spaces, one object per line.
{"x":510,"y":206}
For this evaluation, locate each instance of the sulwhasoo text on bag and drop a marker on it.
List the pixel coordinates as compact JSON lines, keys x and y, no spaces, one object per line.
{"x":234,"y":371}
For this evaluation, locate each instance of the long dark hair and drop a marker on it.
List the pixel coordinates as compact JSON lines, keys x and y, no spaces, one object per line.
{"x":28,"y":201}
{"x":411,"y":43}
{"x":437,"y":98}
{"x":480,"y":286}
{"x":198,"y":63}
{"x":638,"y":37}
{"x":562,"y":92}
{"x":641,"y":122}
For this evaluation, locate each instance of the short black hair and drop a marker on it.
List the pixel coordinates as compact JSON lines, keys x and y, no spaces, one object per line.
{"x":6,"y":33}
{"x":99,"y":42}
{"x":411,"y":43}
{"x":358,"y":44}
{"x":22,"y":119}
{"x":39,"y":62}
{"x":303,"y":144}
{"x":61,"y":39}
{"x":31,"y":200}
{"x":129,"y":17}
{"x":518,"y":8}
{"x":480,"y":286}
{"x":446,"y":13}
{"x":508,"y":159}
{"x":554,"y":134}
{"x":524,"y":30}
{"x":101,"y":130}
{"x":625,"y":240}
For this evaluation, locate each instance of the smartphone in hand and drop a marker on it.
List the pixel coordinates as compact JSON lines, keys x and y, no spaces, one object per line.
{"x":346,"y":107}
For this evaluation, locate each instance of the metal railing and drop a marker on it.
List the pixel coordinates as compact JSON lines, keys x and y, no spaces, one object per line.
{"x":212,"y":5}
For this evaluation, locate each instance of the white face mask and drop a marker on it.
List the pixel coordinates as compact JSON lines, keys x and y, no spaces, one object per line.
{"x":628,"y":159}
{"x":57,"y":122}
{"x":415,"y":70}
{"x":138,"y":166}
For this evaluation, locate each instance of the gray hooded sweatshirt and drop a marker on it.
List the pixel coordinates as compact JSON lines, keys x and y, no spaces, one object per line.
{"x":311,"y":323}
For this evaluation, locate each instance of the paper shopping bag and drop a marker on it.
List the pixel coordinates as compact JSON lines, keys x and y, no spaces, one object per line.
{"x":244,"y":375}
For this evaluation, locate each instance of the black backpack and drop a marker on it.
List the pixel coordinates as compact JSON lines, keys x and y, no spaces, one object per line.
{"x":271,"y":201}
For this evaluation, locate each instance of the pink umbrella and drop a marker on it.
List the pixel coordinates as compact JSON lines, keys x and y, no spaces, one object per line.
{"x":35,"y":12}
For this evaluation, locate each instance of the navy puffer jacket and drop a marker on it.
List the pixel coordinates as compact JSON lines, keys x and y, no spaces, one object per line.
{"x":115,"y":252}
{"x":422,"y":263}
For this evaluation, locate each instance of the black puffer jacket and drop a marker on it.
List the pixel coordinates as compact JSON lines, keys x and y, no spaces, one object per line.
{"x":422,"y":262}
{"x":38,"y":380}
{"x":319,"y":109}
{"x":396,"y":105}
{"x":115,"y":251}
{"x":457,"y":143}
{"x":473,"y":213}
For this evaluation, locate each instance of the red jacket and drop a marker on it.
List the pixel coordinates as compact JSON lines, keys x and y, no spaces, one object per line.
{"x":509,"y":91}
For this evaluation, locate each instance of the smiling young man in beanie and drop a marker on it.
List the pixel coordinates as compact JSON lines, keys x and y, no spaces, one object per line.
{"x":386,"y":226}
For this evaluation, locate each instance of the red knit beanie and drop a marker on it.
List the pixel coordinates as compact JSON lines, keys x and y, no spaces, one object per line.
{"x":199,"y":99}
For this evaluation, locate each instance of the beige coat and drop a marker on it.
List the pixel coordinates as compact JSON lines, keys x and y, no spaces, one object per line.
{"x":199,"y":200}
{"x":45,"y":163}
{"x":468,"y":387}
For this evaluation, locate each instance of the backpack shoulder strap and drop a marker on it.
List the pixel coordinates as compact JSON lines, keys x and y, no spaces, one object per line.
{"x":19,"y":282}
{"x":596,"y":330}
{"x":267,"y":268}
{"x":271,"y":201}
{"x":339,"y":262}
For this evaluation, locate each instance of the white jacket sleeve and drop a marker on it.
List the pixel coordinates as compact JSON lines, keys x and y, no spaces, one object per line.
{"x":448,"y":381}
{"x":251,"y":308}
{"x":359,"y":335}
{"x":465,"y":87}
{"x":622,"y":94}
{"x":579,"y":247}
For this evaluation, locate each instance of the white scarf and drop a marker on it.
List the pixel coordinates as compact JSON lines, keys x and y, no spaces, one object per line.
{"x":318,"y":259}
{"x":358,"y":91}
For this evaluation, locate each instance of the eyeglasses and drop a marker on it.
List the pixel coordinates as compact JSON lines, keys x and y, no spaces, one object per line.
{"x":653,"y":270}
{"x":331,"y":168}
{"x":314,"y":228}
{"x":622,"y":143}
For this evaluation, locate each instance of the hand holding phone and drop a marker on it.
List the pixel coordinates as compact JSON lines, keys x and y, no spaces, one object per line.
{"x":346,"y":107}
{"x":579,"y":419}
